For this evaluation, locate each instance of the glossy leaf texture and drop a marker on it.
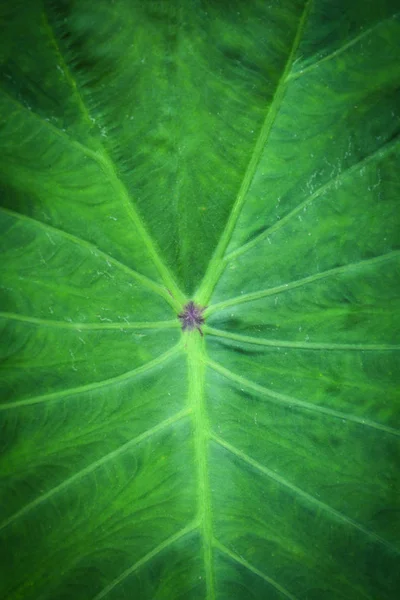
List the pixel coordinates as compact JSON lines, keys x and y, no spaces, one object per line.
{"x":243,"y":156}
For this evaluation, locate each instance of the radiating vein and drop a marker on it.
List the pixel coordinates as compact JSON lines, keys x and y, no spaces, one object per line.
{"x":196,"y":367}
{"x":65,"y":69}
{"x":343,"y":48}
{"x":95,"y":251}
{"x":89,"y":387}
{"x":51,"y":127}
{"x":119,"y":325}
{"x":95,"y":465}
{"x":299,"y":492}
{"x":347,"y":174}
{"x":216,"y":265}
{"x":292,"y":344}
{"x":103,"y":159}
{"x":294,"y":403}
{"x":110,"y":171}
{"x":242,"y":561}
{"x":300,"y":282}
{"x":146,"y":559}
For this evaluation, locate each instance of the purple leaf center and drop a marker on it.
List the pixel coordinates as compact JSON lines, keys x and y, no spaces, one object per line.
{"x":192,"y":317}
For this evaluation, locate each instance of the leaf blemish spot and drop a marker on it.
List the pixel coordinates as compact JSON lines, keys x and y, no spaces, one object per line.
{"x":192,"y":317}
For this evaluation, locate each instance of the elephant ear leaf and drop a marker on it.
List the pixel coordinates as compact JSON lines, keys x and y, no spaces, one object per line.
{"x":199,"y":300}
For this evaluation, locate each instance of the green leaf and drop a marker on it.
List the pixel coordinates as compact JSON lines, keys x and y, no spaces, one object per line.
{"x":243,"y":156}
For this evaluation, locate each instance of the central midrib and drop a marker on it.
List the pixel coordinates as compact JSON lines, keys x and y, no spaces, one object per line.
{"x":196,"y":373}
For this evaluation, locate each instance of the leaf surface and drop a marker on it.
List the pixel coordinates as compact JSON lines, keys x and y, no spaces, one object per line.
{"x":245,"y":158}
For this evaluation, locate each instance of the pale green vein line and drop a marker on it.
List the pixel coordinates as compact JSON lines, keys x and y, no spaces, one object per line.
{"x":120,"y":325}
{"x":146,"y":559}
{"x":303,"y":345}
{"x":67,"y":74}
{"x":95,"y":251}
{"x":110,"y":171}
{"x":60,"y":133}
{"x":217,"y":264}
{"x":90,"y":387}
{"x":95,"y":465}
{"x":108,"y":166}
{"x":300,"y":282}
{"x":301,"y":493}
{"x":242,"y":561}
{"x":344,"y":48}
{"x":341,"y":177}
{"x":196,"y":374}
{"x":294,"y":403}
{"x":178,"y":193}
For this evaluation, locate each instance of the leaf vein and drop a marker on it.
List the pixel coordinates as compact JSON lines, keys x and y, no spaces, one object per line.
{"x":217,"y":265}
{"x":95,"y":465}
{"x":343,"y":49}
{"x":299,"y":404}
{"x":242,"y":561}
{"x":121,"y":325}
{"x":300,"y":282}
{"x":147,"y":558}
{"x":201,"y":439}
{"x":304,"y":495}
{"x":104,"y":160}
{"x":145,"y":281}
{"x":298,"y":344}
{"x":383,"y":151}
{"x":129,"y":375}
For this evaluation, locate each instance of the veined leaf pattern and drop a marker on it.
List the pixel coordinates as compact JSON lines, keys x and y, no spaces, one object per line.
{"x":200,"y":300}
